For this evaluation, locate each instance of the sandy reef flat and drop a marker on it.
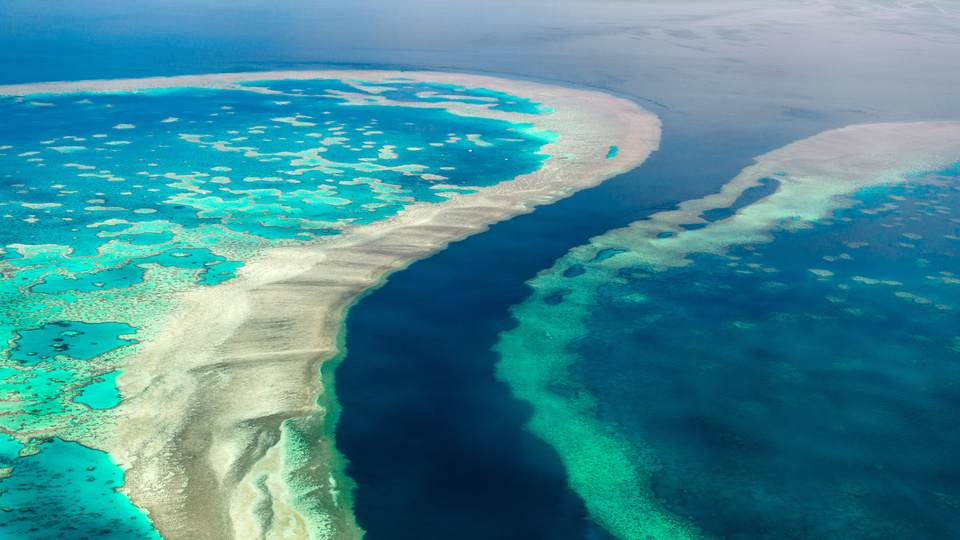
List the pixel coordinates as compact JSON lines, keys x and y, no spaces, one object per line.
{"x":225,"y":428}
{"x":815,"y":176}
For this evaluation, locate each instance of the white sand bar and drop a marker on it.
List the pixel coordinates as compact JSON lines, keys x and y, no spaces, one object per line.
{"x":209,"y":428}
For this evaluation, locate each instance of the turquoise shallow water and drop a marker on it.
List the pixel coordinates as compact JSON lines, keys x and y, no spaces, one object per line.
{"x":66,"y":491}
{"x":805,"y":387}
{"x":112,"y":203}
{"x":78,"y":340}
{"x":102,"y":393}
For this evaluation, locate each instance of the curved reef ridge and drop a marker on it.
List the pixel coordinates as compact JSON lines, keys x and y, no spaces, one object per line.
{"x":225,"y":428}
{"x":812,"y":178}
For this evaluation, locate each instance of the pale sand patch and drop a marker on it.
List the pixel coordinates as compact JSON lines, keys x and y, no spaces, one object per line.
{"x":39,"y":206}
{"x":294,"y":121}
{"x":205,"y":403}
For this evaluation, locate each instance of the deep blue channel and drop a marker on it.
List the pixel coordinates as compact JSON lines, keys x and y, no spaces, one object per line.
{"x":435,"y":443}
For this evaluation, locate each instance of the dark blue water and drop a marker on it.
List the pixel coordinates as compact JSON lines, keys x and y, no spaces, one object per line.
{"x":435,"y":443}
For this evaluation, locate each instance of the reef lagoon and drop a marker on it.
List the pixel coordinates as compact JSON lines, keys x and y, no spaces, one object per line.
{"x":178,"y":256}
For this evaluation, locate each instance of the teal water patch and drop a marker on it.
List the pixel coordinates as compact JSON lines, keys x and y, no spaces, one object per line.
{"x":114,"y":227}
{"x":613,"y":152}
{"x":508,"y":103}
{"x":102,"y":393}
{"x":66,"y":491}
{"x":78,"y":340}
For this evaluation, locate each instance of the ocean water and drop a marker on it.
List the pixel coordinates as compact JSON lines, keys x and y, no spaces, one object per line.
{"x":115,"y":203}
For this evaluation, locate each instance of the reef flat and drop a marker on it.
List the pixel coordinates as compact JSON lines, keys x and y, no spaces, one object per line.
{"x":685,"y":295}
{"x":198,"y":240}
